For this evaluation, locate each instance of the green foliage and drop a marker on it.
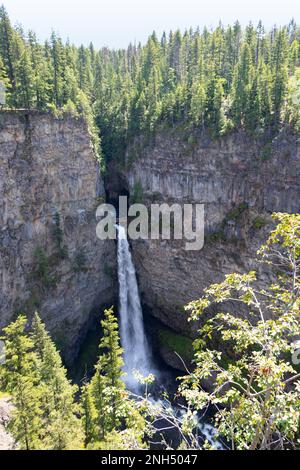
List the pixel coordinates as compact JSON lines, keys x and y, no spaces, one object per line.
{"x":177,"y":343}
{"x":259,"y":222}
{"x":266,"y":152}
{"x":42,"y":269}
{"x":213,"y":80}
{"x":293,"y":100}
{"x":44,"y":414}
{"x":20,"y":378}
{"x":107,"y":387}
{"x":237,"y":211}
{"x":218,"y":235}
{"x":138,"y":194}
{"x":58,"y":237}
{"x":259,"y":392}
{"x":62,"y":428}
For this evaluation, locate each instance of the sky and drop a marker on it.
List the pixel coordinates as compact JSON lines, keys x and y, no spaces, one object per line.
{"x":116,"y":23}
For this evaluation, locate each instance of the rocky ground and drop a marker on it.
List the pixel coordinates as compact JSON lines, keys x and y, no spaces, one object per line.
{"x":6,"y":441}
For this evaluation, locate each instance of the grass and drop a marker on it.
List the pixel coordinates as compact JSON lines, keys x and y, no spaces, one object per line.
{"x":176,"y":342}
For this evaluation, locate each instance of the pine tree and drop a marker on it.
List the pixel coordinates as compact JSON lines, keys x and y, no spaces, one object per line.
{"x":107,"y":387}
{"x":253,"y":111}
{"x":279,"y":75}
{"x":107,"y":408}
{"x":4,"y":81}
{"x":21,"y":380}
{"x":294,"y":57}
{"x":42,"y":73}
{"x":241,"y":85}
{"x":198,"y":102}
{"x":58,"y":64}
{"x":84,"y":70}
{"x":7,"y":38}
{"x":25,"y":81}
{"x":214,"y":116}
{"x":88,"y":414}
{"x":98,"y":389}
{"x":59,"y":411}
{"x":264,"y":90}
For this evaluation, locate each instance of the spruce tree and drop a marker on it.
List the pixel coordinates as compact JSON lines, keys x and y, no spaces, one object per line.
{"x":107,"y":387}
{"x":22,"y":380}
{"x":59,"y":410}
{"x":25,"y":81}
{"x":253,"y":111}
{"x":7,"y":39}
{"x":42,"y":73}
{"x":279,"y":75}
{"x":241,"y":85}
{"x":4,"y":80}
{"x":88,"y":414}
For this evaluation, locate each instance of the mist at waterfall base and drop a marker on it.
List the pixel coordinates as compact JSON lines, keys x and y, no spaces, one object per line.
{"x":137,"y":354}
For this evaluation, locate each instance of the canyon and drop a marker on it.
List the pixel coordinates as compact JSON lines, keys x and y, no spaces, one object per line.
{"x":241,"y":181}
{"x":51,"y":185}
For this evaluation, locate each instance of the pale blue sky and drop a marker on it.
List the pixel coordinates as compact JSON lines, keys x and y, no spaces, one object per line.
{"x":117,"y":22}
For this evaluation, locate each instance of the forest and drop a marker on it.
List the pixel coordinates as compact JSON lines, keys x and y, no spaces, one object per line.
{"x":215,"y":80}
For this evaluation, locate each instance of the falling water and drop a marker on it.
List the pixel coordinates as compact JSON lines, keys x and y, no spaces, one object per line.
{"x":137,"y":355}
{"x":133,"y":339}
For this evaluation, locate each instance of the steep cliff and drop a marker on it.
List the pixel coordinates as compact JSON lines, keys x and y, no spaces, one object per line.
{"x":50,"y":257}
{"x":239,"y":180}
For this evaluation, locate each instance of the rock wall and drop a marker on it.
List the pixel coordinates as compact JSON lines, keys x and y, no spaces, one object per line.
{"x":50,"y":258}
{"x":50,"y":186}
{"x":239,"y":180}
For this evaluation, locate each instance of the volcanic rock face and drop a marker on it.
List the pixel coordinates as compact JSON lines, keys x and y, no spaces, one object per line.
{"x":50,"y":258}
{"x":239,"y":181}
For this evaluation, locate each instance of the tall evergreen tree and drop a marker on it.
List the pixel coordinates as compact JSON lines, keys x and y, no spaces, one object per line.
{"x":279,"y":74}
{"x":21,"y":379}
{"x":7,"y":38}
{"x":25,"y":81}
{"x":215,"y":79}
{"x":107,"y":386}
{"x":242,"y":85}
{"x":59,"y":411}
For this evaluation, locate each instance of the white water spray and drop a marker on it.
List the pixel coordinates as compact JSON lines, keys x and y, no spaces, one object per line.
{"x":136,"y":350}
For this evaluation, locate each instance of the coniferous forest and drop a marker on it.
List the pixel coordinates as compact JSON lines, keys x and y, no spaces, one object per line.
{"x":217,"y":80}
{"x":214,"y":81}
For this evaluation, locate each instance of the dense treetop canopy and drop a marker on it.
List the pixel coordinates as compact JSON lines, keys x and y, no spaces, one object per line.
{"x":214,"y":80}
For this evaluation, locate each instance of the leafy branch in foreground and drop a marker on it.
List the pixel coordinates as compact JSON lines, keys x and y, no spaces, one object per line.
{"x":258,"y":394}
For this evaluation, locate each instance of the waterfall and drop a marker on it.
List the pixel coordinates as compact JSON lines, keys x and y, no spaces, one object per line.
{"x":134,"y":342}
